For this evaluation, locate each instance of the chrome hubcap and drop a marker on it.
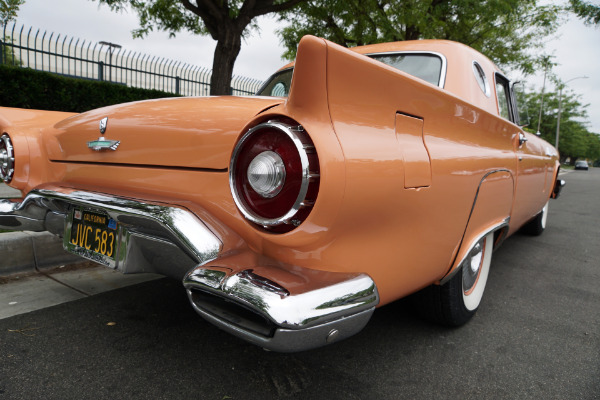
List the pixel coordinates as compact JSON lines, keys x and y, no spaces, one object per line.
{"x":472,"y":267}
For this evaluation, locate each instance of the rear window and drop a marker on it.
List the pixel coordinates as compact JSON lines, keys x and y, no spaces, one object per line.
{"x":424,"y":66}
{"x":421,"y":65}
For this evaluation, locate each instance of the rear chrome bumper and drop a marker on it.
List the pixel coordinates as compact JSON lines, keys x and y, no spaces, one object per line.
{"x":278,"y":307}
{"x":152,"y":237}
{"x":311,"y":309}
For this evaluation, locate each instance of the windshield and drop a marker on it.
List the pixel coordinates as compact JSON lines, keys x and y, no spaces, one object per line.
{"x":277,"y":85}
{"x":421,"y":65}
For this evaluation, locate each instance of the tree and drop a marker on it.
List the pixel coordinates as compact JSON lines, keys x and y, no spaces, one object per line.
{"x":588,"y":12}
{"x":576,"y":141}
{"x":504,"y":30}
{"x":9,"y":10}
{"x":226,"y":21}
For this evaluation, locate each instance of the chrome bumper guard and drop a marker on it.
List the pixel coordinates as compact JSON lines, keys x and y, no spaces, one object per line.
{"x":318,"y":307}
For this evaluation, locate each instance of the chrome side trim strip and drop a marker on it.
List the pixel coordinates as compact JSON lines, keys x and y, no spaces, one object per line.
{"x":476,"y":239}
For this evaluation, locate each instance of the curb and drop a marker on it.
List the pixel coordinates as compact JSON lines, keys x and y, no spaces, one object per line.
{"x":25,"y":252}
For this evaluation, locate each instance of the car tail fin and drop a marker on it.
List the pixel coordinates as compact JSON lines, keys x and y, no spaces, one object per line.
{"x":308,"y":92}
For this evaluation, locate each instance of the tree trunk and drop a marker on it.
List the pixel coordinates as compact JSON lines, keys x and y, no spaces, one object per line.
{"x":228,"y":47}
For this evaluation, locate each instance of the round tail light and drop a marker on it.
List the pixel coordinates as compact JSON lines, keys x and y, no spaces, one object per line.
{"x":7,"y":159}
{"x":274,"y":175}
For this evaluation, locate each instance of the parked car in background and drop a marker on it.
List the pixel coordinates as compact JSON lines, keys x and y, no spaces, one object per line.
{"x":581,"y":164}
{"x":357,"y":177}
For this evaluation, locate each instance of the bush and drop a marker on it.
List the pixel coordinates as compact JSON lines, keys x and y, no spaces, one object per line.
{"x":28,"y":88}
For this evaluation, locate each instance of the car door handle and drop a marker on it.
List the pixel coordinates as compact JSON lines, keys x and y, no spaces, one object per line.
{"x":522,"y":138}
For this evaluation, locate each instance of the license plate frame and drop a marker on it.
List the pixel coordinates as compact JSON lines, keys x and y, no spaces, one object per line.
{"x":92,"y":234}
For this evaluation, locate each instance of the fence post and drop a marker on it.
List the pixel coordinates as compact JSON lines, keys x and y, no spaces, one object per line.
{"x":1,"y":52}
{"x":177,"y":81}
{"x":100,"y":71}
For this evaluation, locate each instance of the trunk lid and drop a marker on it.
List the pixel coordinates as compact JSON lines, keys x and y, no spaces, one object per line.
{"x":180,"y":132}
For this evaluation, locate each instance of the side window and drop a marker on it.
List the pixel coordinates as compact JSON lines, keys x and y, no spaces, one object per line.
{"x":481,"y":79}
{"x":518,"y":89}
{"x":503,"y":97}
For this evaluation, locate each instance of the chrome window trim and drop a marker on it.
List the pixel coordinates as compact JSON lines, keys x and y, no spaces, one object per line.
{"x":486,"y":83}
{"x":442,"y":79}
{"x":511,"y":102}
{"x":287,"y":217}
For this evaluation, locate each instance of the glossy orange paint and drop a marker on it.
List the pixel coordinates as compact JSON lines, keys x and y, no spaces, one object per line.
{"x":411,"y":173}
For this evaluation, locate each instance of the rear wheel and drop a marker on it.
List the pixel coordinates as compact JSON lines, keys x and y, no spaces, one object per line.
{"x":456,"y":301}
{"x":537,"y":225}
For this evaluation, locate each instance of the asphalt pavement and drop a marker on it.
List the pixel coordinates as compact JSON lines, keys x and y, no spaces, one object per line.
{"x":536,"y":336}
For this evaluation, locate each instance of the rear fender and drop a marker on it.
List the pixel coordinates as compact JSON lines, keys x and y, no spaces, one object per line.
{"x":490,"y":213}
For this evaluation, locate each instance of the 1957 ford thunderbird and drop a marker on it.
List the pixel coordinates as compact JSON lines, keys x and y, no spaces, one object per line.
{"x":356,"y":177}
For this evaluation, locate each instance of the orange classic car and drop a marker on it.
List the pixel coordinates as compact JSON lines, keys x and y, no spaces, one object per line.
{"x":356,"y":177}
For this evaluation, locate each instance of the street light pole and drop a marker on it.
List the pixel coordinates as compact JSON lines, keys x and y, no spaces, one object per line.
{"x":542,"y":102}
{"x":111,"y":46}
{"x":558,"y":119}
{"x":560,"y":88}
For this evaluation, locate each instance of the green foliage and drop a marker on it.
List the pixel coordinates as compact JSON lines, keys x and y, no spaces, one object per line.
{"x":166,"y":15}
{"x":27,"y":88}
{"x":588,"y":12}
{"x":226,"y":21}
{"x":575,"y":140}
{"x":504,"y":30}
{"x":7,"y":53}
{"x":9,"y":10}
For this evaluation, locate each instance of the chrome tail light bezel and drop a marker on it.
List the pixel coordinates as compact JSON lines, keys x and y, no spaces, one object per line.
{"x":310,"y":174}
{"x":7,"y":158}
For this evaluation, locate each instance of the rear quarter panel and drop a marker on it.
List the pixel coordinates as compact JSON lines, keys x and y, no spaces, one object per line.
{"x":412,"y":234}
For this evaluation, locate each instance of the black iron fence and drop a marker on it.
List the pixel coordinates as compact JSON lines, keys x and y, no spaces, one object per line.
{"x":105,"y":61}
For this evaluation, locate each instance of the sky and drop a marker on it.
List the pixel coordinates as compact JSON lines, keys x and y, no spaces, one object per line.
{"x":576,"y":46}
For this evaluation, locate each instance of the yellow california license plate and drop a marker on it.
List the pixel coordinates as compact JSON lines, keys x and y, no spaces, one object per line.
{"x":94,"y":232}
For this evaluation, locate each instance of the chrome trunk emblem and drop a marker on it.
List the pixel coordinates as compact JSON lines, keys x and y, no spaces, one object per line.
{"x":103,"y":123}
{"x":103,"y":144}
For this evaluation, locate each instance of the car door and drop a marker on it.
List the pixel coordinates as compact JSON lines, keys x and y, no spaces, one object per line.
{"x":531,"y":178}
